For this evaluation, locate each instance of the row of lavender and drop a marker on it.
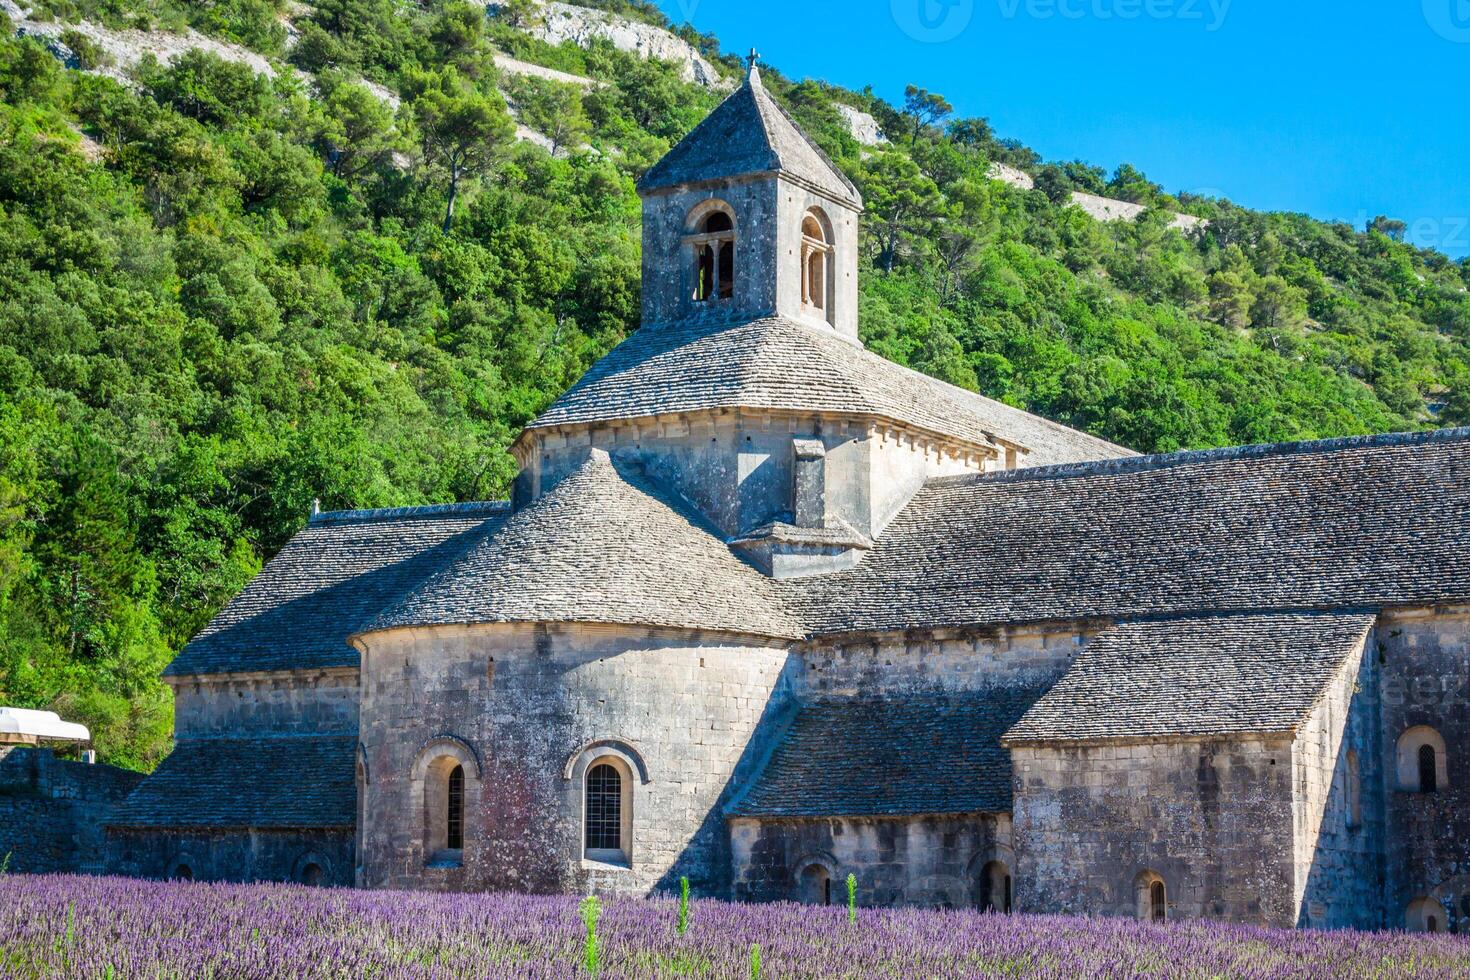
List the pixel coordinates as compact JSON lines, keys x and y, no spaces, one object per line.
{"x":59,"y":926}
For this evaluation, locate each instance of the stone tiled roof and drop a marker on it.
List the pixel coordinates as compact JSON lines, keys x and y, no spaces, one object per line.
{"x":749,"y":133}
{"x":601,"y":547}
{"x":779,"y":363}
{"x":329,"y":581}
{"x":295,"y":782}
{"x":916,"y":754}
{"x":1199,"y":676}
{"x":1354,"y":523}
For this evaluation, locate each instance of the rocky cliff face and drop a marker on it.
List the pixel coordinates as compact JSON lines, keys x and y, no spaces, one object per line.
{"x":562,"y":22}
{"x":123,"y":49}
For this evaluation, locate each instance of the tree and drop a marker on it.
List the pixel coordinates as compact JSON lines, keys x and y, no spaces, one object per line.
{"x":973,"y":132}
{"x":969,"y":223}
{"x":462,"y":131}
{"x":1280,"y":309}
{"x":1388,"y":227}
{"x":202,"y":85}
{"x":554,"y":110}
{"x":355,"y":132}
{"x":457,"y":34}
{"x":520,"y":14}
{"x":1128,"y":184}
{"x":90,"y":567}
{"x":900,"y":198}
{"x":923,"y":109}
{"x":1055,"y":184}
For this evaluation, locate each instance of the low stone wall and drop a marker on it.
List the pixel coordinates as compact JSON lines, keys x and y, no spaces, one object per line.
{"x":52,"y":812}
{"x":925,"y":861}
{"x":241,"y":855}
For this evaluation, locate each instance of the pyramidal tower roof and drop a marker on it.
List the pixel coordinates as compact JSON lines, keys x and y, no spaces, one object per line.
{"x":749,"y":133}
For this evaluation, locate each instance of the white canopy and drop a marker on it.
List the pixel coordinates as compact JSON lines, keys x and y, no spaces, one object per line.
{"x":28,"y":724}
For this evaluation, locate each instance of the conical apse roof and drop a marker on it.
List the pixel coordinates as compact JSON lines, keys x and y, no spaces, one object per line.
{"x":600,"y":547}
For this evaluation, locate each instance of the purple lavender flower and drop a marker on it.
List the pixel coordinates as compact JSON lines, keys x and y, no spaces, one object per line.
{"x":62,"y":926}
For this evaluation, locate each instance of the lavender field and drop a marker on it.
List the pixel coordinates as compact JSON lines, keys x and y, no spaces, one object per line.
{"x":57,"y":926}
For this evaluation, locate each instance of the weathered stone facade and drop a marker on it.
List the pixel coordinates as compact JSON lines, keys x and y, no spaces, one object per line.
{"x":53,"y":811}
{"x":526,"y":710}
{"x":938,"y":861}
{"x":768,"y":610}
{"x":1213,"y":819}
{"x":1425,"y":664}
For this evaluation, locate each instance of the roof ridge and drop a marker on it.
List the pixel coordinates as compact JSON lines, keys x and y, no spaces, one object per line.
{"x":806,"y":138}
{"x":265,"y":736}
{"x":1189,"y":457}
{"x":328,"y":517}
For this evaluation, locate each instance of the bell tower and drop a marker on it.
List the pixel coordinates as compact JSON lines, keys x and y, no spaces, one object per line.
{"x":747,"y":218}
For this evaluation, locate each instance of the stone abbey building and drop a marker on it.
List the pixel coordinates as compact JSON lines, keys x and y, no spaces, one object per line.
{"x":767,"y":610}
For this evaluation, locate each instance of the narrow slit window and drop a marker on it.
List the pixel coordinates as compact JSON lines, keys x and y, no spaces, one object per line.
{"x":455,"y":815}
{"x":1158,"y":902}
{"x":1428,"y":770}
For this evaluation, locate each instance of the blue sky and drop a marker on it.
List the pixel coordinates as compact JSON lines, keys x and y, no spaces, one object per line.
{"x":1342,"y":109}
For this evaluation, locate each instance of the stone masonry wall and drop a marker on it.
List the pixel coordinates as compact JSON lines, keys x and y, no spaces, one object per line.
{"x":1214,"y":819}
{"x":308,"y":702}
{"x":669,"y":269}
{"x":526,"y":708}
{"x":1425,"y":657}
{"x":52,"y":811}
{"x":239,"y":855}
{"x":1339,"y":816}
{"x":920,"y":861}
{"x":960,"y":660}
{"x":736,"y":466}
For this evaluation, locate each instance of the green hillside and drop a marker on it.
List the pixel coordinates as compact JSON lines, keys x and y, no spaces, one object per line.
{"x":223,"y":295}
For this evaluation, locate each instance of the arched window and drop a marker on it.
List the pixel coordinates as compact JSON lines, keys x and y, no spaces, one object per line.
{"x":714,"y":256}
{"x":607,"y":811}
{"x":994,"y":888}
{"x":1422,"y":766}
{"x":1151,"y":897}
{"x":603,"y":777}
{"x":447,"y":778}
{"x":815,"y":884}
{"x":454,"y":830}
{"x":816,"y":264}
{"x":1354,"y":790}
{"x":311,"y":869}
{"x":1426,"y":915}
